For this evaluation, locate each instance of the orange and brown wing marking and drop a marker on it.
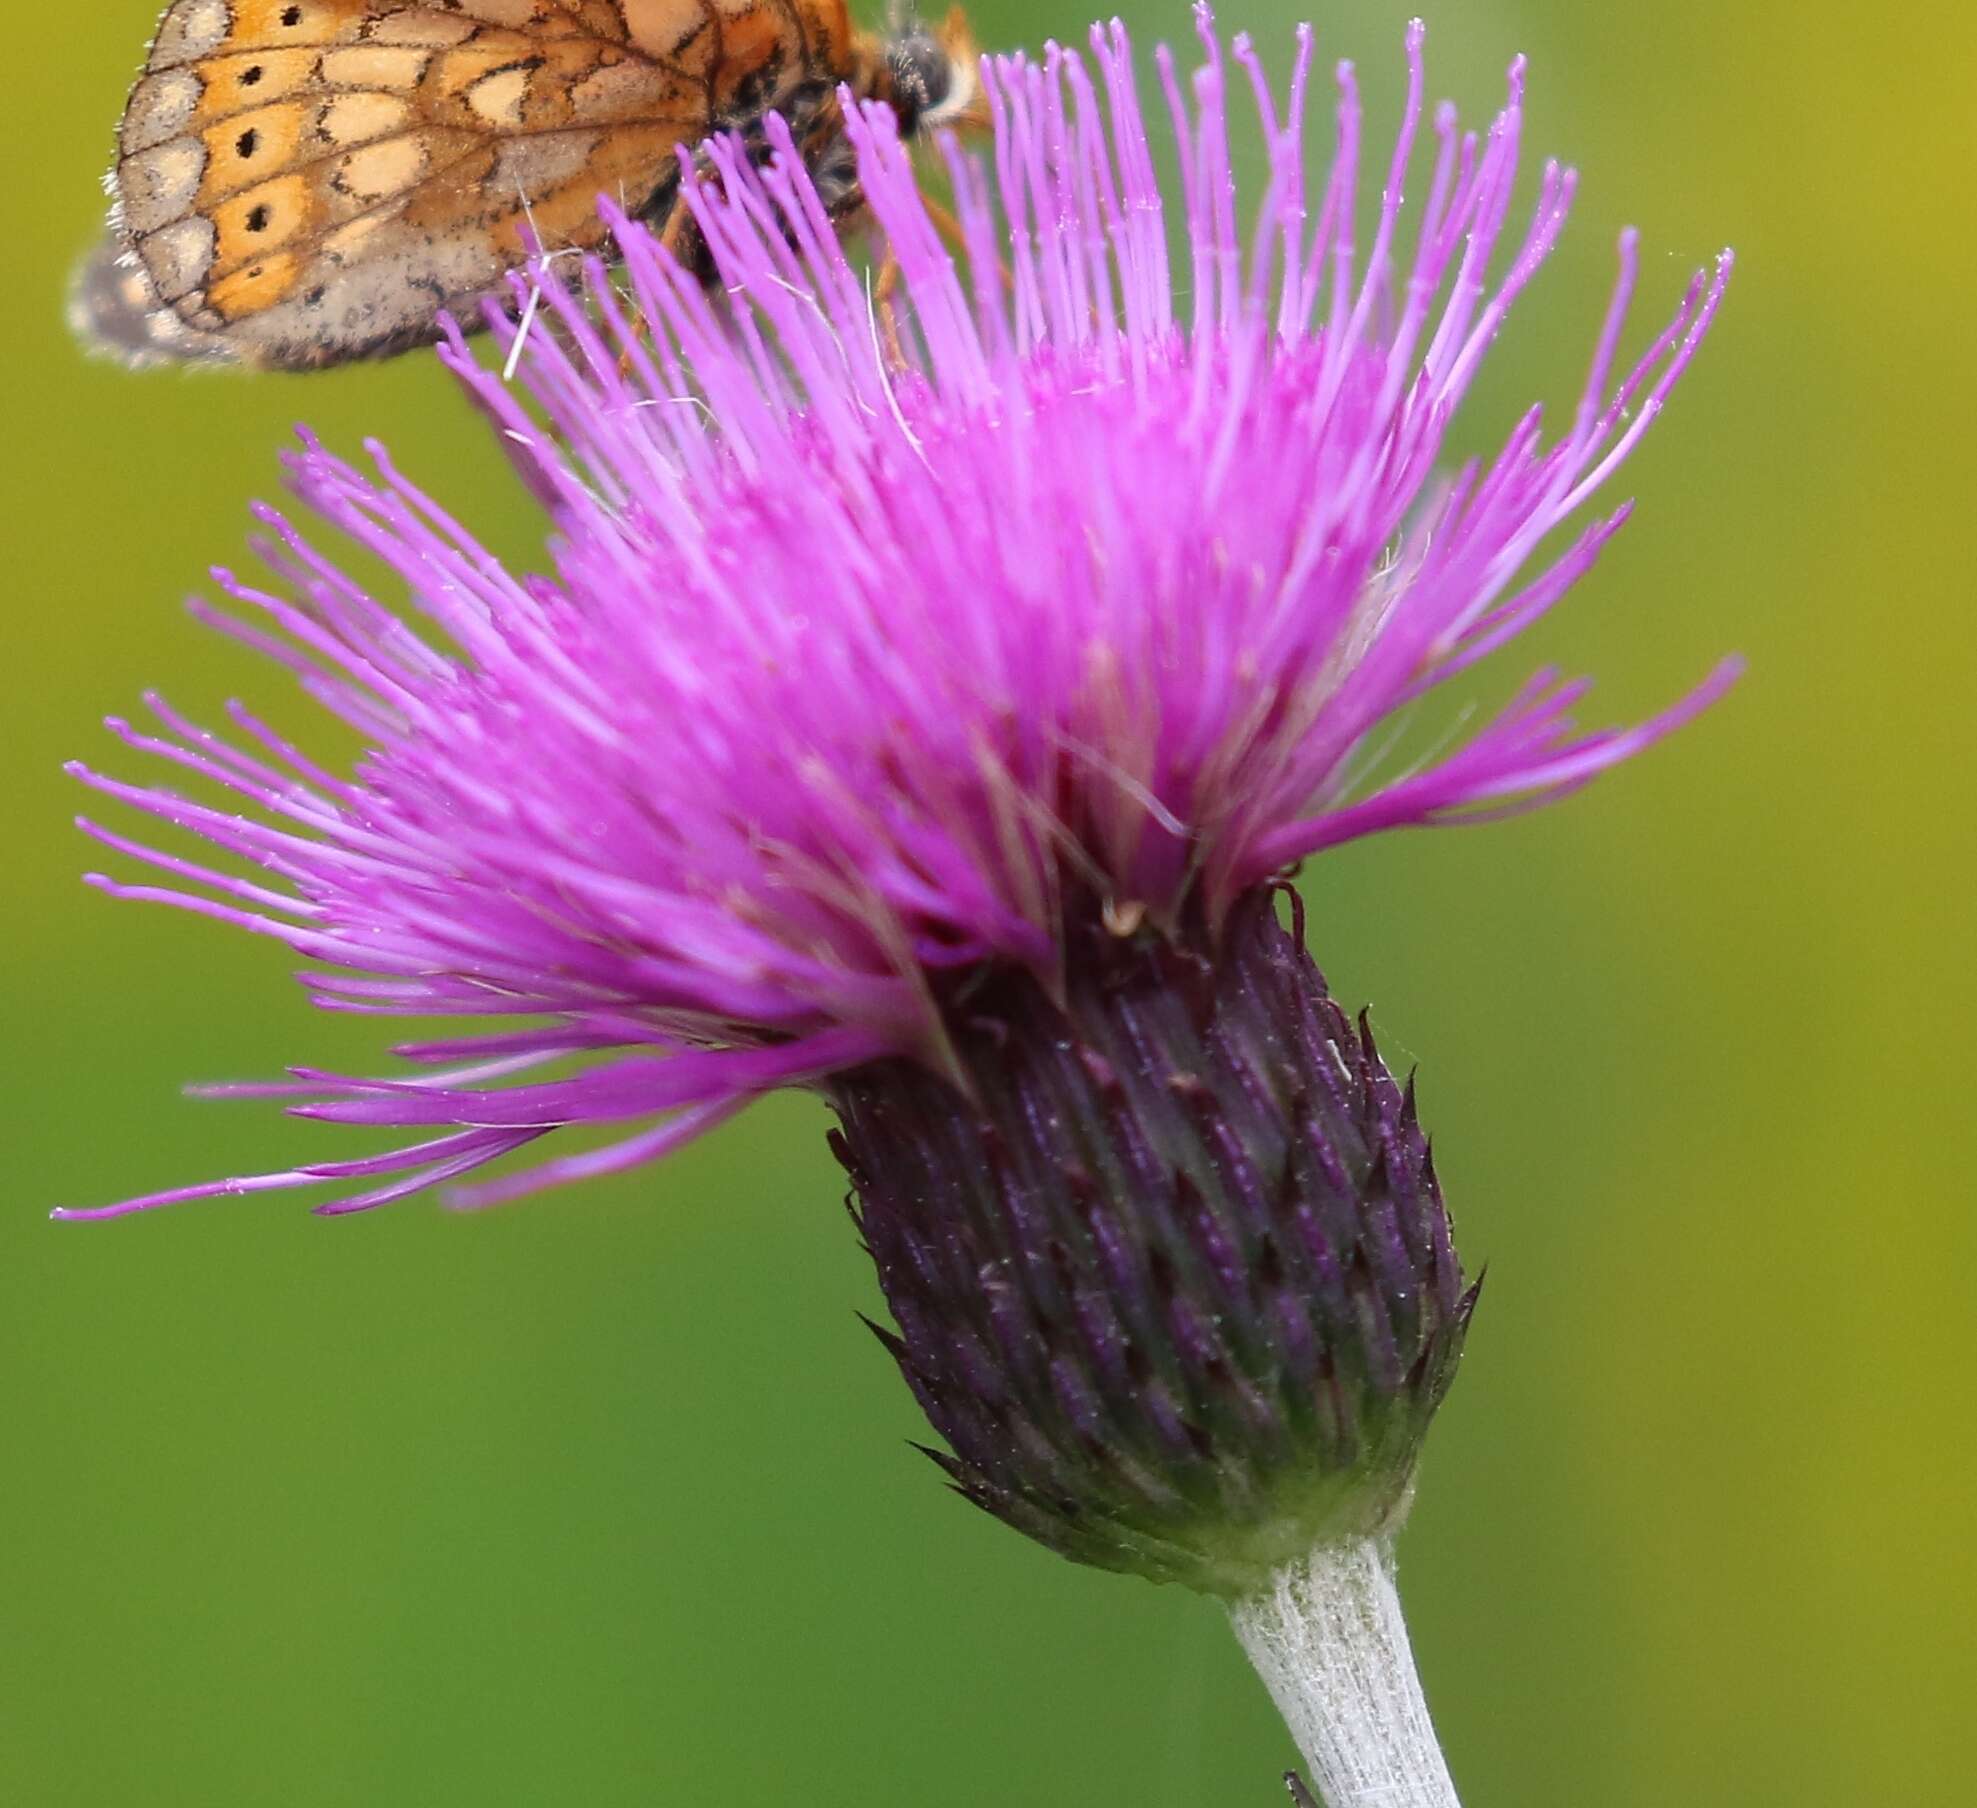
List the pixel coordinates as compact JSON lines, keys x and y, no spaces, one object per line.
{"x":306,"y":181}
{"x":727,"y":36}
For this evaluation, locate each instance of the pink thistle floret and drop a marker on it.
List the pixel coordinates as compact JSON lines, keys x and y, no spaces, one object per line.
{"x":883,"y":632}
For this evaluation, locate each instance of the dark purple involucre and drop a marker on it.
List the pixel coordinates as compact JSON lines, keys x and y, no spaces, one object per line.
{"x":1171,"y":1271}
{"x":876,"y":640}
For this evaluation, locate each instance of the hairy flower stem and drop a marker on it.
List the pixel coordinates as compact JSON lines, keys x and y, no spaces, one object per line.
{"x":1331,"y":1646}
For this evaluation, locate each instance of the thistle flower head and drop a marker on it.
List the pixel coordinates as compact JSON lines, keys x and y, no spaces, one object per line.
{"x":883,"y":638}
{"x":927,"y":692}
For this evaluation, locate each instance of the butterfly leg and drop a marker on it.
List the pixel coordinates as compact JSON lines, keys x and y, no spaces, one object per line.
{"x":890,"y":275}
{"x":674,"y":241}
{"x":956,"y":237}
{"x":884,"y":287}
{"x":673,"y":235}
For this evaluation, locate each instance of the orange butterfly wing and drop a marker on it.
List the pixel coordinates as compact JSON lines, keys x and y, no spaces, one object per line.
{"x":301,"y":182}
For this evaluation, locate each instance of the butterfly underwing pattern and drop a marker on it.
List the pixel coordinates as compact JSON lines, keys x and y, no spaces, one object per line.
{"x":299,"y":183}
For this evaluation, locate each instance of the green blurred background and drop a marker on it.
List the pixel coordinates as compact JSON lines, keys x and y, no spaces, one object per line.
{"x":606,"y":1499}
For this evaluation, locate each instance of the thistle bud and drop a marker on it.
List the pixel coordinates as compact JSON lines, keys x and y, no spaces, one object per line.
{"x":1167,"y":1257}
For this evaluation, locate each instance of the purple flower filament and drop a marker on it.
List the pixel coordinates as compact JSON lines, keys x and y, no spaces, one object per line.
{"x":863,"y":658}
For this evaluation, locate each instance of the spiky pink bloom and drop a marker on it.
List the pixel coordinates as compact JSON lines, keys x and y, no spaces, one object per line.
{"x":862,"y":663}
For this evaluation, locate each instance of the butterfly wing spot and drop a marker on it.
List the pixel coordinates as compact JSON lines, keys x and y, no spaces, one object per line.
{"x":256,"y":288}
{"x":345,"y":246}
{"x":273,"y":19}
{"x":234,"y":83}
{"x":460,"y":71}
{"x":160,"y":185}
{"x":616,"y":91}
{"x":375,"y":66}
{"x":190,"y":31}
{"x":179,"y":255}
{"x":498,"y":98}
{"x":425,"y":29}
{"x":161,"y":108}
{"x":255,"y":222}
{"x":239,"y":151}
{"x":353,"y":119}
{"x":663,"y":28}
{"x":388,"y":167}
{"x":517,"y":15}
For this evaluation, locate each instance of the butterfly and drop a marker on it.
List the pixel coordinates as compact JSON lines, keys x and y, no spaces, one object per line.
{"x":299,"y":183}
